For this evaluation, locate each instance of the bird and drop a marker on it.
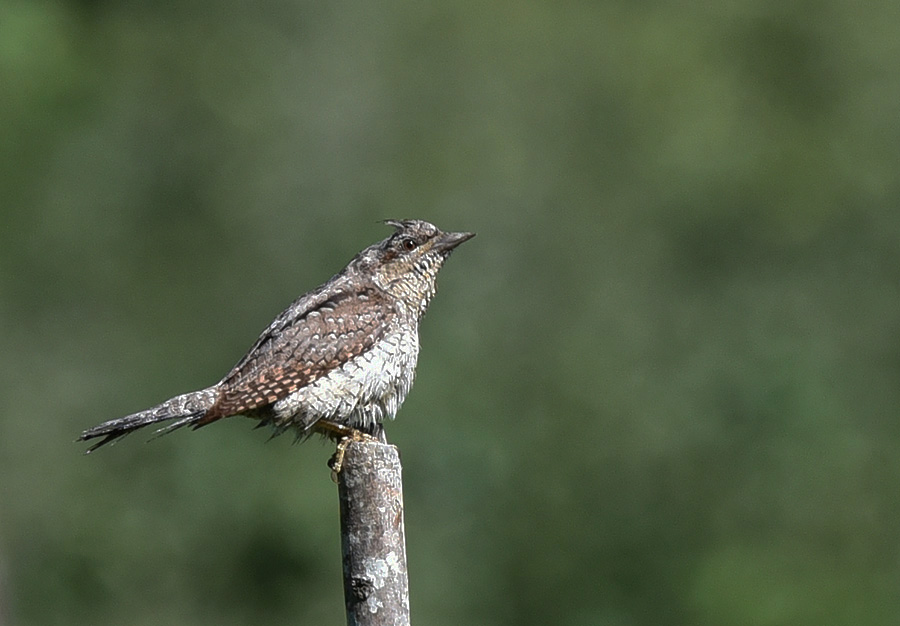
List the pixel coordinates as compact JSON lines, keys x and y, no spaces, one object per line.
{"x":338,"y":362}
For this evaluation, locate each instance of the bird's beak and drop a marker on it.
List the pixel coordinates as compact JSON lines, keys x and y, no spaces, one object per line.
{"x":447,"y":241}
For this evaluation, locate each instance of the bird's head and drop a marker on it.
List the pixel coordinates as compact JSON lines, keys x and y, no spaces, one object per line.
{"x":406,"y":263}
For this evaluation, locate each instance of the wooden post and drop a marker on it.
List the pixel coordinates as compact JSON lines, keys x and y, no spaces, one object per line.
{"x":373,"y":540}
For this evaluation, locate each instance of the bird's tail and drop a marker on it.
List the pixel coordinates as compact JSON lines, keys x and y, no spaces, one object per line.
{"x":186,"y":409}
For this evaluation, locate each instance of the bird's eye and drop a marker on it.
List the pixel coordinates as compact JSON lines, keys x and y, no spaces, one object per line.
{"x":408,"y":244}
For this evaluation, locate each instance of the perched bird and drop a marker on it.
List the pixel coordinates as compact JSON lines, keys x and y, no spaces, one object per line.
{"x":338,"y":361}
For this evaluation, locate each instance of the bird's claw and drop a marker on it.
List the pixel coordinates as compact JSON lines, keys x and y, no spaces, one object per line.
{"x":336,"y":462}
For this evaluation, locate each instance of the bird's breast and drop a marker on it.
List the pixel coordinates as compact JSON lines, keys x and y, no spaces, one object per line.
{"x":363,"y":391}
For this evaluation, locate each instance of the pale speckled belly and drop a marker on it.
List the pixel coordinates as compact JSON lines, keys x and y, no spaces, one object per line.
{"x":363,"y":392}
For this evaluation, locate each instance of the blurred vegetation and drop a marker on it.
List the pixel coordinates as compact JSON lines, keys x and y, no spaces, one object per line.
{"x":660,"y":387}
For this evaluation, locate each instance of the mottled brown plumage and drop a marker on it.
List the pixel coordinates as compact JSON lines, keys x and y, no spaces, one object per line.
{"x":342,"y":356}
{"x":339,"y":329}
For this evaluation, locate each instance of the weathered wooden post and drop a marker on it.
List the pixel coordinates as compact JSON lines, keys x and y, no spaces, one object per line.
{"x":373,"y":540}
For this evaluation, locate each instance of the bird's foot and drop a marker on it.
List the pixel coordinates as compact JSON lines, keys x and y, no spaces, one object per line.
{"x":348,"y":436}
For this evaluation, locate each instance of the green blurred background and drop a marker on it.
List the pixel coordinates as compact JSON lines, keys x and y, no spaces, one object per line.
{"x":660,"y":386}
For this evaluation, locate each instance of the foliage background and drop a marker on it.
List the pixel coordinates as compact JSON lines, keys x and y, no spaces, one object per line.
{"x":660,"y":387}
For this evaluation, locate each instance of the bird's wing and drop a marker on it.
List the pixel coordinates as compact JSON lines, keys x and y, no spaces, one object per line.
{"x":300,"y":347}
